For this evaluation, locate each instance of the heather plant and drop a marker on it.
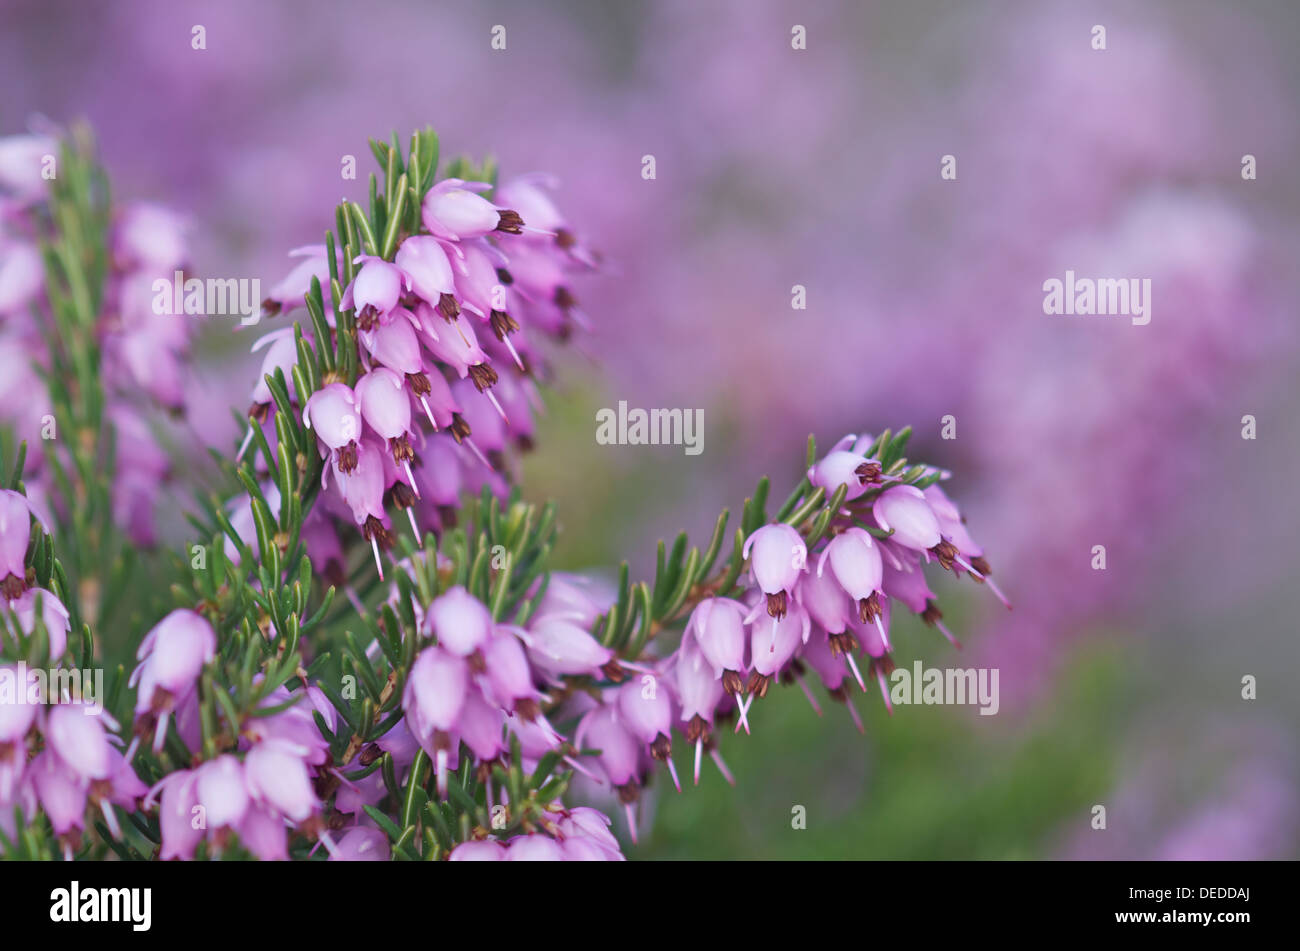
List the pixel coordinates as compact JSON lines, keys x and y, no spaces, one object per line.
{"x":365,"y":653}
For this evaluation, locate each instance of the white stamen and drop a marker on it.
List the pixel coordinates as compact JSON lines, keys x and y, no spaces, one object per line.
{"x":160,"y":732}
{"x":631,"y":820}
{"x":722,"y":767}
{"x":500,"y":409}
{"x":111,"y":818}
{"x":473,"y":447}
{"x":424,"y":401}
{"x":884,"y":636}
{"x":243,"y":446}
{"x":410,"y":479}
{"x":672,"y":771}
{"x":857,"y":675}
{"x":513,"y":352}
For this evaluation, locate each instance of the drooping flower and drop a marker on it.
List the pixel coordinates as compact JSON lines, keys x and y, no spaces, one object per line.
{"x":433,"y":700}
{"x":333,"y":414}
{"x":375,"y":291}
{"x":779,"y":557}
{"x":856,"y":564}
{"x":647,"y":712}
{"x":428,"y":270}
{"x":454,"y":210}
{"x":15,"y":533}
{"x":172,"y":656}
{"x":718,"y":628}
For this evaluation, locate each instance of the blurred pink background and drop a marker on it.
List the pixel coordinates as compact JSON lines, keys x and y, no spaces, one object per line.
{"x":820,"y":167}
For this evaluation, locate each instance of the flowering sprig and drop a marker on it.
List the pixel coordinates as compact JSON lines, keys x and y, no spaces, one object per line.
{"x":452,"y":701}
{"x":58,"y":766}
{"x":330,"y":389}
{"x":810,"y":587}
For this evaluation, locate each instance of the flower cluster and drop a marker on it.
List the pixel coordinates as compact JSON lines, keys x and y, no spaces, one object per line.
{"x":445,"y":335}
{"x":62,"y":758}
{"x":822,"y":609}
{"x":58,"y":747}
{"x":446,"y":712}
{"x":481,"y":678}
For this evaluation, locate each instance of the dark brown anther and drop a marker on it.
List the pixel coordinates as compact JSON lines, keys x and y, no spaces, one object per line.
{"x":12,"y":587}
{"x":502,"y":324}
{"x":374,"y":529}
{"x":325,"y":784}
{"x":776,"y":604}
{"x":505,"y":277}
{"x":868,"y":472}
{"x":661,"y":748}
{"x":497,"y":459}
{"x":565,"y":238}
{"x":564,"y":298}
{"x":614,"y":672}
{"x":419,"y":384}
{"x":946,"y":552}
{"x":869,"y":608}
{"x":758,"y":684}
{"x":162,"y":701}
{"x":144,"y":725}
{"x":698,"y":728}
{"x":981,"y":565}
{"x":527,"y":709}
{"x":628,"y":793}
{"x":367,"y":317}
{"x":100,"y":789}
{"x":369,"y":753}
{"x":509,"y":221}
{"x":732,"y":682}
{"x":483,"y":376}
{"x":402,"y":451}
{"x":403,"y":495}
{"x":259,"y":411}
{"x":524,"y":442}
{"x":931,"y":614}
{"x":842,"y":643}
{"x":459,"y":429}
{"x":449,"y":307}
{"x":270,"y":307}
{"x":477,"y":662}
{"x":348,"y":457}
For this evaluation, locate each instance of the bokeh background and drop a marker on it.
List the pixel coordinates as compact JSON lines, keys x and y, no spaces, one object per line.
{"x":820,"y":167}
